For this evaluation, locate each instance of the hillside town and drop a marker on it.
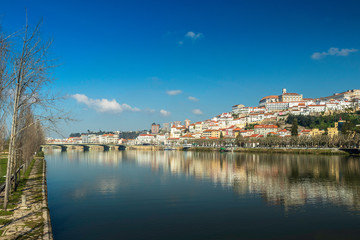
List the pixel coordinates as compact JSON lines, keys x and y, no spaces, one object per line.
{"x":266,"y":119}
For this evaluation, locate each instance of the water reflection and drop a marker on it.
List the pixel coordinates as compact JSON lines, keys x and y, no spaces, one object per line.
{"x":287,"y":180}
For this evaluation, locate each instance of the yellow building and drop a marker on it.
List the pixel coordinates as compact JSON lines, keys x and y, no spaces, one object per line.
{"x":216,"y":133}
{"x":333,"y":131}
{"x":316,"y":132}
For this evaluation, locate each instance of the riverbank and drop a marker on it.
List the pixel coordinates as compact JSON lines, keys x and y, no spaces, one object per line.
{"x":28,"y":219}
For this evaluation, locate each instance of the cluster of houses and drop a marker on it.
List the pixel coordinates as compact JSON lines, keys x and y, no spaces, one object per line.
{"x":263,"y":118}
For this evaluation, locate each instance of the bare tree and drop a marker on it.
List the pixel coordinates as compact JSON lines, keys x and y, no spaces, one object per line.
{"x":4,"y":83}
{"x":31,"y":103}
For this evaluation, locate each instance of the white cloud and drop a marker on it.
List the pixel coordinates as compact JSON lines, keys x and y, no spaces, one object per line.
{"x":149,"y":110}
{"x":197,"y":112}
{"x":333,"y":52}
{"x":194,"y":99}
{"x":103,"y":105}
{"x":173,"y":92}
{"x":193,"y":35}
{"x":165,"y":113}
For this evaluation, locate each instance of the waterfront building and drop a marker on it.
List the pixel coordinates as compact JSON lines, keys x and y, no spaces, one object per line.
{"x":333,"y":131}
{"x":198,"y":127}
{"x":84,"y":138}
{"x":265,"y":129}
{"x":207,"y":133}
{"x":247,"y":133}
{"x":145,"y":139}
{"x":305,"y":132}
{"x":316,"y":132}
{"x":284,"y":133}
{"x":177,"y":131}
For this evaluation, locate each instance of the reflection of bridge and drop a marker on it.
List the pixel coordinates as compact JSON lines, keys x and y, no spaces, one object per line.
{"x":85,"y":146}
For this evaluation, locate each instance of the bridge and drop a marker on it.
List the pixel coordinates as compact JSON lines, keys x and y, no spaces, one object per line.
{"x":85,"y":146}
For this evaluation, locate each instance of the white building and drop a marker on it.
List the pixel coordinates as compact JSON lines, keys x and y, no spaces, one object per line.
{"x":317,"y":108}
{"x":145,"y":139}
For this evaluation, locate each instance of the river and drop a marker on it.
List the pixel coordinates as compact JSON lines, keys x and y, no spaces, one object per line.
{"x":202,"y":195}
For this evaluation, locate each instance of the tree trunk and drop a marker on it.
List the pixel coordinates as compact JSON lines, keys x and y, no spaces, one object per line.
{"x":11,"y":157}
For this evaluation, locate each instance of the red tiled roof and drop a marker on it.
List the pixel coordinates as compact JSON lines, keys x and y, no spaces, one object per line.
{"x":187,"y":136}
{"x":256,"y":136}
{"x":292,"y":94}
{"x":265,"y":126}
{"x":143,"y":135}
{"x":271,"y":96}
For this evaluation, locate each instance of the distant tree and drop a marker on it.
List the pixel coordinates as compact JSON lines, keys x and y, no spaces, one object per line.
{"x":75,"y":135}
{"x":347,"y":128}
{"x":294,"y":128}
{"x":221,"y":135}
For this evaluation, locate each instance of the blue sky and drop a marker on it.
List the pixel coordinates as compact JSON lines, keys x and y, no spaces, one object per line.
{"x":122,"y":61}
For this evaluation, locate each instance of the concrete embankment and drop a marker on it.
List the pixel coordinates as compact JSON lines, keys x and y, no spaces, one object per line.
{"x":28,"y":213}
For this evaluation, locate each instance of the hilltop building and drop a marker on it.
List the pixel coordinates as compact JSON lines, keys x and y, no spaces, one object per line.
{"x":155,"y":128}
{"x":166,"y":127}
{"x":187,"y":123}
{"x":349,"y":95}
{"x":282,"y":99}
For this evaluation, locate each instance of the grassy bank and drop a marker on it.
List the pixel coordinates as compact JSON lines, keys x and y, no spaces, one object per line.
{"x":3,"y":166}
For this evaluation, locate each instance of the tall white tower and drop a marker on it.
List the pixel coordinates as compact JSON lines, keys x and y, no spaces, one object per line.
{"x":283,"y":90}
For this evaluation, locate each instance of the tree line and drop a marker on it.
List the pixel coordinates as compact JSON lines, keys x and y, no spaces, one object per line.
{"x":27,"y":107}
{"x":328,"y":121}
{"x":320,"y":141}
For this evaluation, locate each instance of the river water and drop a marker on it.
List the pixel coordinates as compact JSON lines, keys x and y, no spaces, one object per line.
{"x":202,"y":195}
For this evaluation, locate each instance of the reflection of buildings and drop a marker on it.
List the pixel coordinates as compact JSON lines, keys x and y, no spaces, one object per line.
{"x":289,"y":180}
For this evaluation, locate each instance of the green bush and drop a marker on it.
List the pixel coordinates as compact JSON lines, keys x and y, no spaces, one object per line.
{"x":40,"y":154}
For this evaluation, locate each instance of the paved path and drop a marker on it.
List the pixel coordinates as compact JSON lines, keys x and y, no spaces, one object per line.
{"x":28,"y":222}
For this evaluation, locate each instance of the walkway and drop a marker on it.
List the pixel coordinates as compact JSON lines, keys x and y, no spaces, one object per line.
{"x":28,"y":221}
